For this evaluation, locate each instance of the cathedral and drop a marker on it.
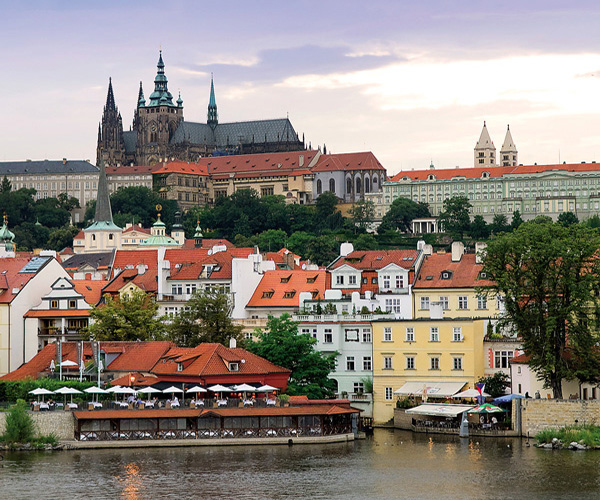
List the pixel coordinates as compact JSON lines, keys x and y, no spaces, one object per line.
{"x":159,"y":131}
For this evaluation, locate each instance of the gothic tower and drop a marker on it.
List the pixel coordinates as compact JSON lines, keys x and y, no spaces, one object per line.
{"x":485,"y":151}
{"x":509,"y":157}
{"x":213,"y":117}
{"x":110,"y":133}
{"x":156,"y":120}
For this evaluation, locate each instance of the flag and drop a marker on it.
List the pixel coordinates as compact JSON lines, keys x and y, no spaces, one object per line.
{"x":101,"y":366}
{"x":480,"y":388}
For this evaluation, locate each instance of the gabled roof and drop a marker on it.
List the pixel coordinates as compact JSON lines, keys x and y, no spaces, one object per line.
{"x":133,"y":258}
{"x":281,"y":288}
{"x":90,"y":289}
{"x":462,"y":274}
{"x":147,"y":281}
{"x":348,"y":161}
{"x":101,"y":260}
{"x":138,"y":228}
{"x":208,"y":243}
{"x":365,"y":260}
{"x":12,"y":277}
{"x":182,"y":167}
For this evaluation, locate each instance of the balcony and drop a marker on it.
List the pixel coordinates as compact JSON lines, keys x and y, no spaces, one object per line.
{"x":340,"y":318}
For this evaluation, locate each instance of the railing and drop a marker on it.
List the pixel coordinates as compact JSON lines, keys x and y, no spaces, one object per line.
{"x":340,"y":317}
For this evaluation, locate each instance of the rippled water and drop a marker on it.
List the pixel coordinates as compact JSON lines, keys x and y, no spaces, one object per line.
{"x":390,"y":465}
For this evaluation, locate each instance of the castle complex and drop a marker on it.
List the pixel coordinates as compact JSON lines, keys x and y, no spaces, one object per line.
{"x":160,"y":133}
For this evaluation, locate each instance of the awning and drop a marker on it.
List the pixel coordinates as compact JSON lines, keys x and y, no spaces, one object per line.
{"x":434,"y":389}
{"x":441,"y":410}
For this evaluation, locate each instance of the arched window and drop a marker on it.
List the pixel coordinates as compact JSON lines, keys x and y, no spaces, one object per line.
{"x":367,"y":186}
{"x":374,"y":182}
{"x":358,"y":186}
{"x":348,"y":185}
{"x":319,"y":187}
{"x":332,"y":185}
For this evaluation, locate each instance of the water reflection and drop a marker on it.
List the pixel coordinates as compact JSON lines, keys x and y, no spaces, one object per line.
{"x":390,"y":465}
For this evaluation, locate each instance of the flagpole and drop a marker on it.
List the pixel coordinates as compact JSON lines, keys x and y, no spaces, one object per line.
{"x":99,"y":361}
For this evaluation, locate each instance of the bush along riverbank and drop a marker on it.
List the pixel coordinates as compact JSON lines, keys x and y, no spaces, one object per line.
{"x":572,"y":437}
{"x":20,"y":433}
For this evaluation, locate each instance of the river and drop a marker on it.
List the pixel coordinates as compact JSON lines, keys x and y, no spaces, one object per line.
{"x":388,"y":465}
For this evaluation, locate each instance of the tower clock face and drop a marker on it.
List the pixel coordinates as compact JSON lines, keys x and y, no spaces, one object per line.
{"x":153,"y":127}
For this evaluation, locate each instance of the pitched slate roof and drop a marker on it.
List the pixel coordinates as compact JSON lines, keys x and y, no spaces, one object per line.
{"x":47,"y":167}
{"x":366,"y":260}
{"x":281,"y":288}
{"x":100,"y":260}
{"x":348,"y":161}
{"x":462,"y":274}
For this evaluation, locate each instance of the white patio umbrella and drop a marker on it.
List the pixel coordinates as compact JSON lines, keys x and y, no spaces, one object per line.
{"x":244,"y":388}
{"x":68,"y":390}
{"x":172,"y":389}
{"x":124,"y":390}
{"x":149,"y":390}
{"x":113,"y":388}
{"x":95,"y":390}
{"x":220,"y":388}
{"x":470,"y":393}
{"x":267,"y":388}
{"x":40,"y":391}
{"x":67,"y":362}
{"x":196,"y":389}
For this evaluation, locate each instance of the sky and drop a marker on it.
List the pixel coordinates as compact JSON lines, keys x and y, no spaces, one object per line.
{"x":411,"y":81}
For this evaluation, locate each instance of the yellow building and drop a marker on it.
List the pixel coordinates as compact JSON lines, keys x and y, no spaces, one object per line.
{"x":441,"y":356}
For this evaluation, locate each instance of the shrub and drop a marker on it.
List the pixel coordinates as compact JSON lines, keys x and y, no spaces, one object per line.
{"x":19,"y":425}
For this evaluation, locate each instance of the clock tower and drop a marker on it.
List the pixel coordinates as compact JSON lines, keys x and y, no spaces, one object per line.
{"x":156,"y":120}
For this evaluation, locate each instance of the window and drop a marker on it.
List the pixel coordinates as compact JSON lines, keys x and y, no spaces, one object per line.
{"x":352,"y":280}
{"x":499,"y":303}
{"x":351,"y":335}
{"x":332,"y":185}
{"x":179,"y":367}
{"x":501,"y":359}
{"x":457,"y":363}
{"x":386,"y":282}
{"x":399,"y":281}
{"x":268,"y":294}
{"x":392,"y":305}
{"x":177,"y":289}
{"x":457,"y":334}
{"x":444,"y":303}
{"x":350,"y":363}
{"x":387,"y":363}
{"x":388,"y":394}
{"x":434,"y":363}
{"x":289,"y":294}
{"x":387,"y":334}
{"x":328,"y":337}
{"x":339,"y":280}
{"x":359,"y":388}
{"x":72,"y":304}
{"x":374,"y":281}
{"x":234,"y":367}
{"x":366,"y":336}
{"x":434,"y":334}
{"x":367,"y":364}
{"x":319,"y":187}
{"x":54,"y":304}
{"x":463,"y":302}
{"x":481,"y":302}
{"x":410,"y":362}
{"x":410,"y":334}
{"x":424,"y":302}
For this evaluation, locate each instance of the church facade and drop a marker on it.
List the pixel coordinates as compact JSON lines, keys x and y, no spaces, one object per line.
{"x":160,"y":133}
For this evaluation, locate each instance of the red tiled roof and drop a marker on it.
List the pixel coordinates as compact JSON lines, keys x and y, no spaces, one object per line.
{"x":348,"y":161}
{"x":138,"y":228}
{"x":293,"y":282}
{"x":256,"y":164}
{"x":57,"y":313}
{"x":147,"y":281}
{"x":208,"y":243}
{"x":138,"y":379}
{"x":138,"y":356}
{"x":497,"y":171}
{"x":79,"y":236}
{"x":182,"y":167}
{"x":221,"y":262}
{"x":463,"y":274}
{"x":521,"y":358}
{"x":123,"y":258}
{"x":90,"y":289}
{"x":377,"y":259}
{"x":11,"y":280}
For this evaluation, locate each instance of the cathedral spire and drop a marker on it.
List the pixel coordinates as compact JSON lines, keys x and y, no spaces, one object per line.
{"x":103,"y":210}
{"x":485,"y":151}
{"x":161,"y":94}
{"x":141,"y":100}
{"x":213,"y":118}
{"x":110,"y":97}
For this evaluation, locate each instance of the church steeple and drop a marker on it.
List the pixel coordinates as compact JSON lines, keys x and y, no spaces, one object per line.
{"x":110,"y":136}
{"x":213,"y":117}
{"x":141,"y":100}
{"x":103,"y":210}
{"x":161,"y":94}
{"x":508,"y":154}
{"x":485,"y":151}
{"x":110,"y":98}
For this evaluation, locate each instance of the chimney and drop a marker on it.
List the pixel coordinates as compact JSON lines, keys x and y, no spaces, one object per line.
{"x":141,"y":269}
{"x":458,"y":249}
{"x":301,"y":160}
{"x":232,"y":343}
{"x":427,"y":249}
{"x":480,"y":247}
{"x":64,"y":161}
{"x":346,"y":248}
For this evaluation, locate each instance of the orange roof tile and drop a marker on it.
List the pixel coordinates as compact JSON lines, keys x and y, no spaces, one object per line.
{"x":90,"y":289}
{"x":123,"y":258}
{"x":182,"y":167}
{"x":208,"y":243}
{"x":348,"y":161}
{"x":79,"y":236}
{"x":147,"y":281}
{"x":56,"y":313}
{"x":138,"y":228}
{"x":281,"y":288}
{"x":256,"y":164}
{"x":377,"y":259}
{"x":462,"y":274}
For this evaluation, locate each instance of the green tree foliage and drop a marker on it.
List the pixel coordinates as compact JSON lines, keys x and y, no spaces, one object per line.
{"x":5,"y":186}
{"x":365,"y":242}
{"x":130,"y":317}
{"x":19,"y":424}
{"x":496,"y":384}
{"x":18,"y":205}
{"x":30,"y":236}
{"x":517,"y":220}
{"x":454,"y":218}
{"x":49,"y":213}
{"x":593,"y":222}
{"x":298,"y":242}
{"x":500,"y":224}
{"x":362,"y":213}
{"x":62,"y":237}
{"x":321,"y":249}
{"x":567,"y":219}
{"x":548,"y":275}
{"x":271,"y":240}
{"x":281,"y":344}
{"x":401,"y":214}
{"x":479,"y":228}
{"x":206,"y":318}
{"x":67,"y":203}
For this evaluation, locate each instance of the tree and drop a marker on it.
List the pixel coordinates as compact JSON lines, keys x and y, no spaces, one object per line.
{"x":479,"y":229}
{"x":50,"y":214}
{"x":130,"y":317}
{"x":500,"y":224}
{"x":5,"y":186}
{"x":19,"y":424}
{"x":496,"y":384}
{"x":548,"y":276}
{"x":362,"y":214}
{"x":206,"y":318}
{"x":67,"y":202}
{"x":281,"y":344}
{"x":517,"y":220}
{"x":271,"y":240}
{"x":454,"y":218}
{"x":567,"y":219}
{"x":62,"y":237}
{"x":321,"y":249}
{"x":365,"y":242}
{"x":400,"y":215}
{"x":29,"y":236}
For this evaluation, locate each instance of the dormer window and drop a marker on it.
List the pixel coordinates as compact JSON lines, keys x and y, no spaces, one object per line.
{"x":72,"y":304}
{"x":482,"y":275}
{"x":268,"y":294}
{"x":234,"y":367}
{"x":179,"y":367}
{"x":312,"y":279}
{"x":446,"y":275}
{"x":285,"y":279}
{"x":289,"y":294}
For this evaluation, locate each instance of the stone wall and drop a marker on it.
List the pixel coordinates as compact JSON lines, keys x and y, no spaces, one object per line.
{"x":402,"y":420}
{"x":540,"y":414}
{"x":59,"y":423}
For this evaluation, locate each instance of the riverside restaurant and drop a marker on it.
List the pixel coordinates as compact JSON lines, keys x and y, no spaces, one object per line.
{"x":293,"y":421}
